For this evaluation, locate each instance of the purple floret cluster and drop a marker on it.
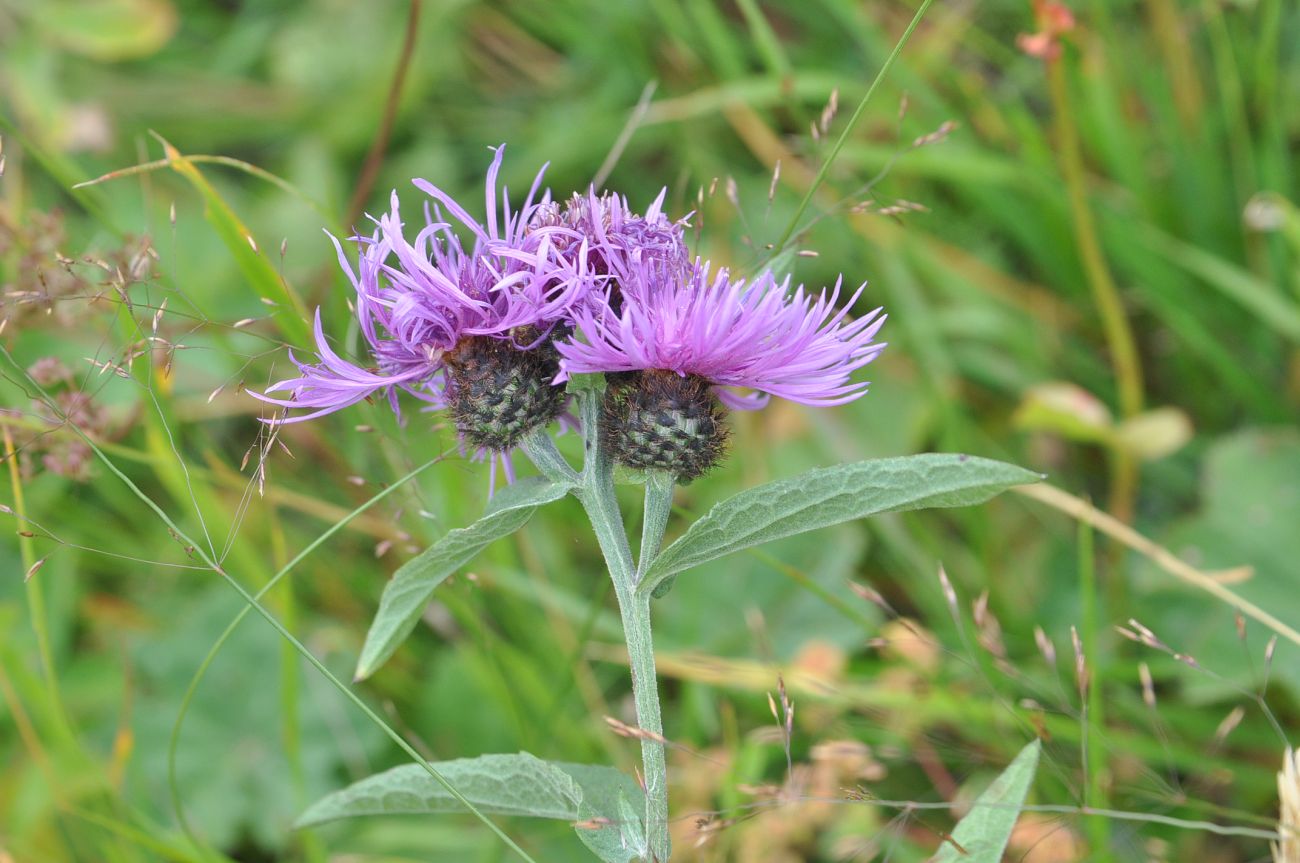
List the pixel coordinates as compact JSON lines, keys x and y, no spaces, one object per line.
{"x":586,"y":285}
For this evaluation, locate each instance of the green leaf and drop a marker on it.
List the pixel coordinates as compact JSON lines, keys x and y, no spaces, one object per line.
{"x":107,"y":29}
{"x":252,"y":796}
{"x":519,"y":784}
{"x":529,"y":491}
{"x":1266,"y":302}
{"x":826,"y":496}
{"x":609,"y":823}
{"x":601,"y":801}
{"x":982,"y":835}
{"x":661,"y":589}
{"x":409,"y":590}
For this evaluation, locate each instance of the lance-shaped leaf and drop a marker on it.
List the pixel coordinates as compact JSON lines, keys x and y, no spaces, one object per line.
{"x":408,"y":592}
{"x":827,"y":496}
{"x":596,"y":799}
{"x":982,"y":835}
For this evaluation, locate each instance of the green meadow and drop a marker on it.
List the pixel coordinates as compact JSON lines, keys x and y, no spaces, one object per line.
{"x":1083,"y":223}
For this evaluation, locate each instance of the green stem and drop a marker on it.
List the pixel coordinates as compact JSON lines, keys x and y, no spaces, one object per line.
{"x":1105,"y":294}
{"x":1095,"y":769}
{"x":1120,"y":341}
{"x":635,"y":611}
{"x":36,"y":601}
{"x":658,"y":504}
{"x":848,"y":129}
{"x":597,"y":496}
{"x":541,"y":450}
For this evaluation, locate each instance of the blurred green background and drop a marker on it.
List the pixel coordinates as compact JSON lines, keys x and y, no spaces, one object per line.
{"x":1085,"y":233}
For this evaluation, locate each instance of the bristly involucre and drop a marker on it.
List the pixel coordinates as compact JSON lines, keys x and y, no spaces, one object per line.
{"x":419,"y":302}
{"x":655,"y":420}
{"x":498,"y":393}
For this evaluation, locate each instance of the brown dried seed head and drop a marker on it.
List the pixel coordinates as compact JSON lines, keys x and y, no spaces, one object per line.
{"x":1045,"y":646}
{"x":1148,"y":685}
{"x":948,"y":592}
{"x":1231,"y":721}
{"x":1080,"y":662}
{"x":34,"y":568}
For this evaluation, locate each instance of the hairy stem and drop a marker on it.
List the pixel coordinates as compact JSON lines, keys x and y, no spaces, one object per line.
{"x":542,"y":452}
{"x":658,"y":505}
{"x":597,"y":496}
{"x":635,"y":612}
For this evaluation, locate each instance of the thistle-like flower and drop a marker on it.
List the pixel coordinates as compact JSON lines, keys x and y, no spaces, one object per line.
{"x":467,"y":329}
{"x":680,"y":343}
{"x":614,"y":234}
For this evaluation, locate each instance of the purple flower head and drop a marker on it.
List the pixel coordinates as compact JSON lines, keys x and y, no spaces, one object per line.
{"x":614,"y":234}
{"x":419,"y":303}
{"x":753,"y":335}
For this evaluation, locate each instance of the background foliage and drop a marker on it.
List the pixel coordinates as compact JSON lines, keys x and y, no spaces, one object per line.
{"x":998,"y":203}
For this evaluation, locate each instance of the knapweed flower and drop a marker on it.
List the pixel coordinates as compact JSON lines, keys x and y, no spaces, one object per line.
{"x":463,"y":328}
{"x":680,"y":345}
{"x":614,"y":234}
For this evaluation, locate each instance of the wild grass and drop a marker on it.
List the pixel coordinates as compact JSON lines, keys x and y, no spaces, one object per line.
{"x":1092,"y":268}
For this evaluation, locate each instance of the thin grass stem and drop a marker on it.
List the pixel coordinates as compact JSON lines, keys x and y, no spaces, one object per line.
{"x":1095,"y":769}
{"x":848,"y":129}
{"x":270,"y":618}
{"x":35,"y":591}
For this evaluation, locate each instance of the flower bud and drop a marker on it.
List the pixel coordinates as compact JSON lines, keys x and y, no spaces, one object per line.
{"x":498,"y":393}
{"x":660,"y":420}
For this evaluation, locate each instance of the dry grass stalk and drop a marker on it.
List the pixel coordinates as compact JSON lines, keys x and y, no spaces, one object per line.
{"x":1287,"y":850}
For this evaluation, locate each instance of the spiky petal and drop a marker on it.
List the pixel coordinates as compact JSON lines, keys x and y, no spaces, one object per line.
{"x":755,"y":335}
{"x":417,"y":300}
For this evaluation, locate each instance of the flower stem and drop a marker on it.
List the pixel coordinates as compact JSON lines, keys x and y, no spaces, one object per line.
{"x":597,"y":496}
{"x":635,"y":611}
{"x":541,"y":450}
{"x":658,"y":505}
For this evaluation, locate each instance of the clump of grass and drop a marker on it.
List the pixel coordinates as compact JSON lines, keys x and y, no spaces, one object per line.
{"x":987,"y":212}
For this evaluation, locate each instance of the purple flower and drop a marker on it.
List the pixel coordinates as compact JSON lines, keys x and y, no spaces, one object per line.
{"x":613,"y":233}
{"x":419,"y":303}
{"x":754,"y":335}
